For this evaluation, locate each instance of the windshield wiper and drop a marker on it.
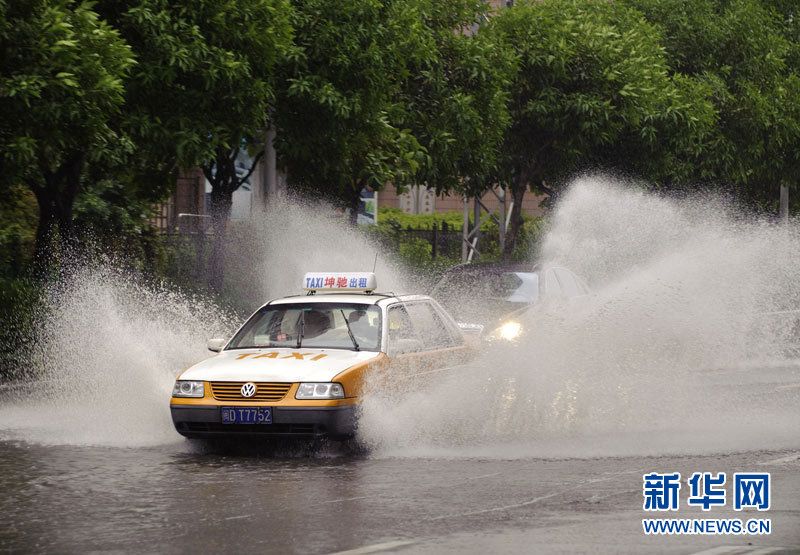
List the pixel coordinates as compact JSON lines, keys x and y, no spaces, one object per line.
{"x":302,"y":328}
{"x":349,"y":331}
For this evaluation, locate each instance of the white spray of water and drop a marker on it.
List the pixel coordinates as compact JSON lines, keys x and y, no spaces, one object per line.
{"x":109,"y":351}
{"x":110,"y":346}
{"x":271,"y":252}
{"x":650,"y":363}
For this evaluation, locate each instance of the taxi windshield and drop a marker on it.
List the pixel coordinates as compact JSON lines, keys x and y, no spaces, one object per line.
{"x":315,"y":325}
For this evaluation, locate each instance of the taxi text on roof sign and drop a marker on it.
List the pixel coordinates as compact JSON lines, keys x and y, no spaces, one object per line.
{"x":346,"y":281}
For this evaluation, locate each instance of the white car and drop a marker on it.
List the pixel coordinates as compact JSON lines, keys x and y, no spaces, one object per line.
{"x":300,"y":365}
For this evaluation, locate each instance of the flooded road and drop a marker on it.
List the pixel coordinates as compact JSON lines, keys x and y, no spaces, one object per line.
{"x":176,"y":499}
{"x":683,"y":359}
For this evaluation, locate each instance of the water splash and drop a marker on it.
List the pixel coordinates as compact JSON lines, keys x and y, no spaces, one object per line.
{"x":270,"y":253}
{"x":110,"y":346}
{"x":109,"y":349}
{"x":682,"y":346}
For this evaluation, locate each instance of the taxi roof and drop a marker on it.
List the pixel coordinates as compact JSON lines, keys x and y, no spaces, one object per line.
{"x":354,"y":298}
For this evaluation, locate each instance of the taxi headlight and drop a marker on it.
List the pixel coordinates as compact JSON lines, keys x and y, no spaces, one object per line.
{"x":317,"y":390}
{"x":510,"y":331}
{"x":186,"y":388}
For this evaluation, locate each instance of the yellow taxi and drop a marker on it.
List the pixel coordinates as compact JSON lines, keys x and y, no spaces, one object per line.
{"x":299,"y":365}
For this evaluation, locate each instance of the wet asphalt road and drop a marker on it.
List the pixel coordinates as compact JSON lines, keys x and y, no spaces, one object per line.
{"x":179,"y":499}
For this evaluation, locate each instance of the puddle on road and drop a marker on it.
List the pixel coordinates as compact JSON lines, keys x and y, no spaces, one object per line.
{"x":680,"y":288}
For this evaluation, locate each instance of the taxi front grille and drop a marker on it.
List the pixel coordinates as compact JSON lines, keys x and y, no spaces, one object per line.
{"x":265,"y":391}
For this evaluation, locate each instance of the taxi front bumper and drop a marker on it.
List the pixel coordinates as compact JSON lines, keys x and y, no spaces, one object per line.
{"x":205,"y":422}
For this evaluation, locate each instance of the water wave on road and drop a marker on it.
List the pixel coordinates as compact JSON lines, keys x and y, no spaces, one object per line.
{"x":687,"y":344}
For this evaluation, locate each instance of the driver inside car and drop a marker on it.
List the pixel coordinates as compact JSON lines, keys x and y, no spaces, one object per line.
{"x":315,"y":323}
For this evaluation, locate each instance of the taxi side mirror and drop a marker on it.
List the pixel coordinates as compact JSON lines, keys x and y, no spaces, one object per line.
{"x":216,"y":345}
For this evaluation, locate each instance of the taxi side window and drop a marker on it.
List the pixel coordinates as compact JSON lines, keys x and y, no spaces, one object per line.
{"x":456,"y":336}
{"x":432,"y":330}
{"x":401,"y":335}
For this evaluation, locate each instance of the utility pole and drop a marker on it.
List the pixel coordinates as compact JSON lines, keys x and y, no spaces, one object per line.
{"x":501,"y":224}
{"x":465,"y":232}
{"x":270,"y":181}
{"x":784,"y":207}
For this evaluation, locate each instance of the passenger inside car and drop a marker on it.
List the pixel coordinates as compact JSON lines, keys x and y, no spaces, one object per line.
{"x":360,"y":324}
{"x":402,"y":337}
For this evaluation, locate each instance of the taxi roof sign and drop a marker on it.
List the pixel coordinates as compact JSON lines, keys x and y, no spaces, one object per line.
{"x":340,"y":281}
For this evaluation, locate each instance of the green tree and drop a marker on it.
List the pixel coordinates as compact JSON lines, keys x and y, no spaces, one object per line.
{"x":202,"y":90}
{"x":746,"y":51}
{"x":591,"y":82}
{"x":18,"y":218}
{"x":340,"y":126}
{"x":456,"y":97}
{"x":61,"y":89}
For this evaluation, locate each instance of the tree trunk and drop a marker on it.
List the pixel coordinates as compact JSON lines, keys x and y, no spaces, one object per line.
{"x":56,"y":199}
{"x":220,"y":209}
{"x":784,"y":205}
{"x":353,"y":203}
{"x":43,"y":255}
{"x":67,"y":241}
{"x":66,"y":201}
{"x":518,"y":189}
{"x":221,"y":173}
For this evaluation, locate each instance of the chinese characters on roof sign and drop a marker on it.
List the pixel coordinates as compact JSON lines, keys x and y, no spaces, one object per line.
{"x":345,"y":281}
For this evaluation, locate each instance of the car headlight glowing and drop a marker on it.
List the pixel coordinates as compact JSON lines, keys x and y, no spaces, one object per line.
{"x":320,"y":390}
{"x":186,"y":388}
{"x":509,"y":331}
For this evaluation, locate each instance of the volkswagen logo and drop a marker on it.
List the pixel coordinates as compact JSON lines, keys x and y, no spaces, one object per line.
{"x":248,"y":389}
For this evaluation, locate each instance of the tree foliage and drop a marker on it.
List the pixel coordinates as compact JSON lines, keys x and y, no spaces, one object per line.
{"x":746,"y":52}
{"x":396,"y":91}
{"x":203,"y":87}
{"x":592,"y":83}
{"x":456,"y":97}
{"x":62,"y":72}
{"x":203,"y":82}
{"x":100,"y":103}
{"x":339,"y":122}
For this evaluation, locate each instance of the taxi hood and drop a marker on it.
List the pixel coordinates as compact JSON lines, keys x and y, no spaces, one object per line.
{"x":277,"y":365}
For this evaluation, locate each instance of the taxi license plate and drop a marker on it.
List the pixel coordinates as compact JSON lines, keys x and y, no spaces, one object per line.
{"x":246,"y":415}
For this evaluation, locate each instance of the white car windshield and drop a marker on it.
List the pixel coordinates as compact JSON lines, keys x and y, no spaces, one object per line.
{"x":484,"y":295}
{"x":319,"y":325}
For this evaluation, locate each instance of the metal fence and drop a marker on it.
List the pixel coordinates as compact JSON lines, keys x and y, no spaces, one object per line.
{"x":190,"y":242}
{"x":445,"y":240}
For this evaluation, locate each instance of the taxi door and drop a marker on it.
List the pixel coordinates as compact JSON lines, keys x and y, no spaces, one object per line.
{"x":421,"y":342}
